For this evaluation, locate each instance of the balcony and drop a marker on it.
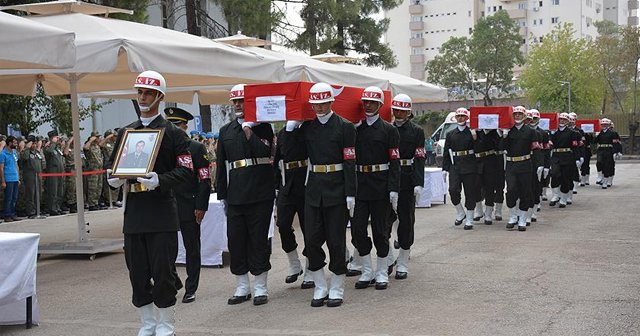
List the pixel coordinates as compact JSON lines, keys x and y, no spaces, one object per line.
{"x":417,"y":75}
{"x":416,"y":42}
{"x":517,"y":13}
{"x":416,"y":25}
{"x":416,"y":9}
{"x":633,"y":21}
{"x":633,"y":4}
{"x":416,"y":59}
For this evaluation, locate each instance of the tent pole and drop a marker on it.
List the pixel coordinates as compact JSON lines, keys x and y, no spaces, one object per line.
{"x":77,"y":159}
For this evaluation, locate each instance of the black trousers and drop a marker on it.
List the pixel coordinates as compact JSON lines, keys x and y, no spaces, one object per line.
{"x":286,"y":213}
{"x":536,"y":188}
{"x":248,"y":237}
{"x":378,"y":210}
{"x":326,"y":224}
{"x":456,"y":182}
{"x":486,"y":186}
{"x":191,"y":238}
{"x":585,"y":169}
{"x":606,"y":162}
{"x":406,"y":218}
{"x":500,"y":183}
{"x":519,"y":187}
{"x":562,"y":176}
{"x":152,"y":256}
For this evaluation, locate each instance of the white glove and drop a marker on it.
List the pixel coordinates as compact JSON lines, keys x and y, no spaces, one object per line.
{"x":505,"y":133}
{"x":545,"y":173}
{"x":351,"y":205}
{"x":151,"y":182}
{"x":224,"y":206}
{"x":393,"y":199}
{"x":499,"y":131}
{"x":417,"y":192}
{"x":617,"y":156}
{"x":540,"y":172}
{"x":114,"y":181}
{"x":249,"y":124}
{"x":292,"y":124}
{"x":578,"y":164}
{"x":445,"y":174}
{"x":581,"y":161}
{"x":474,"y":135}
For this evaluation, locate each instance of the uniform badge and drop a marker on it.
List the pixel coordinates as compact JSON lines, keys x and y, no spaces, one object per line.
{"x":203,"y":173}
{"x":420,"y":152}
{"x":184,"y":161}
{"x":394,"y":153}
{"x":349,"y":153}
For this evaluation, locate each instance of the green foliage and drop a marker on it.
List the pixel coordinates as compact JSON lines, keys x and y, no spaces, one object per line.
{"x":253,"y":17}
{"x":491,"y":54}
{"x":561,"y":57}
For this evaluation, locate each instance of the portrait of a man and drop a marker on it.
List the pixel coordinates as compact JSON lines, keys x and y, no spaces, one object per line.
{"x":137,"y":158}
{"x":137,"y":152}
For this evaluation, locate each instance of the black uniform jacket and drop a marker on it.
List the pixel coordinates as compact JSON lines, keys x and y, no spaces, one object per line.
{"x":330,"y":143}
{"x":249,"y":184}
{"x":545,"y":146}
{"x":581,"y":141}
{"x":157,"y":210}
{"x":290,"y":147}
{"x":377,"y":144}
{"x":411,"y":147}
{"x":521,"y":142}
{"x":609,"y":137}
{"x":459,"y":141}
{"x":566,"y":138}
{"x":485,"y":142}
{"x":194,"y":194}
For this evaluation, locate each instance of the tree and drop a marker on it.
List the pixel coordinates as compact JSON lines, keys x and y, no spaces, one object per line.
{"x":491,"y":54}
{"x":346,"y":25}
{"x":609,"y":50}
{"x":561,"y":57}
{"x":253,"y":17}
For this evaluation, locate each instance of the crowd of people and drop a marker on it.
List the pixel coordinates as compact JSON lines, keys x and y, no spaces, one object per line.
{"x":38,"y":172}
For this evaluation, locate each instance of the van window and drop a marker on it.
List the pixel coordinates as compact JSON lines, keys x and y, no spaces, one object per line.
{"x":446,"y":129}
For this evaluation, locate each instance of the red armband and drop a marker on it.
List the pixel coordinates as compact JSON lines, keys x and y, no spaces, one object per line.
{"x":574,"y":143}
{"x":616,"y":140}
{"x":419,"y":152}
{"x":184,"y":160}
{"x":349,"y":153}
{"x":394,"y":153}
{"x":535,"y":145}
{"x":203,"y":173}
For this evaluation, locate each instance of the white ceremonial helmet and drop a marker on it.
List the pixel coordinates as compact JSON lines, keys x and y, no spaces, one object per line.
{"x":151,"y":80}
{"x":237,"y":92}
{"x":373,"y":93}
{"x":462,"y":111}
{"x":321,"y":93}
{"x":401,"y":102}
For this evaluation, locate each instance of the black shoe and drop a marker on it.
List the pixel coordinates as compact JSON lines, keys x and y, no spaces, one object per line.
{"x":604,"y":187}
{"x":468,"y":227}
{"x":458,"y":222}
{"x":103,"y":207}
{"x":365,"y":284}
{"x":544,"y":198}
{"x":487,"y":222}
{"x":319,"y":302}
{"x":396,"y":245}
{"x":528,"y":223}
{"x":582,"y":184}
{"x":292,"y":278}
{"x":522,"y":228}
{"x":32,"y":217}
{"x":307,"y":285}
{"x":334,"y":302}
{"x":55,"y":213}
{"x":498,"y":218}
{"x":401,"y":275}
{"x":390,"y":268}
{"x":189,"y":297}
{"x":260,"y":300}
{"x":569,"y":202}
{"x":94,"y":208}
{"x":381,"y":285}
{"x":73,"y":208}
{"x":534,"y":220}
{"x":238,"y":299}
{"x":562,"y":206}
{"x":553,"y":203}
{"x":352,"y":273}
{"x":575,"y":192}
{"x":510,"y":225}
{"x":475,"y":219}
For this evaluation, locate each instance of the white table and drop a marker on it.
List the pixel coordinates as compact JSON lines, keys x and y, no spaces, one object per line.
{"x":213,"y":235}
{"x":18,"y":257}
{"x":434,"y":190}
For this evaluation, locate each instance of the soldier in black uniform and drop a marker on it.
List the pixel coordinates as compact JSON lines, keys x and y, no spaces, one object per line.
{"x":459,"y":161}
{"x":486,"y":151}
{"x":193,"y":202}
{"x":291,"y":170}
{"x":543,"y":159}
{"x":412,"y":160}
{"x":565,"y":157}
{"x":151,"y":213}
{"x":330,"y":193}
{"x":581,"y":149}
{"x":245,"y":184}
{"x":518,"y":144}
{"x":585,"y":169}
{"x":378,"y":176}
{"x":54,"y":185}
{"x":609,"y":147}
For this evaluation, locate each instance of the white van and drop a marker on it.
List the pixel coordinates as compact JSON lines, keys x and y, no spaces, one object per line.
{"x":440,"y":135}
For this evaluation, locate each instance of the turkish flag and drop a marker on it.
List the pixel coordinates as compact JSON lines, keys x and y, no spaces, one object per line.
{"x":548,"y":121}
{"x":290,"y":101}
{"x":589,"y":125}
{"x":503,"y":113}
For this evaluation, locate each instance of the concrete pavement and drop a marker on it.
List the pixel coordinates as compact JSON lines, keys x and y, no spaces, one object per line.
{"x":574,"y":272}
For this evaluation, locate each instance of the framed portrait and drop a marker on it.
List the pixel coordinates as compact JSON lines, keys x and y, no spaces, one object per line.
{"x":137,"y":152}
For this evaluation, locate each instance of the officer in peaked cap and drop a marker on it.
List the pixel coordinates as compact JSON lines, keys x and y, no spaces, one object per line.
{"x":193,"y":202}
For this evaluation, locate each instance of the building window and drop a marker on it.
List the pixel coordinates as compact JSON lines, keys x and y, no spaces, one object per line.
{"x":416,"y":51}
{"x":540,"y":3}
{"x":522,"y":5}
{"x":470,"y":30}
{"x":469,"y":13}
{"x":555,"y":2}
{"x":555,"y":19}
{"x":540,"y":22}
{"x":416,"y":18}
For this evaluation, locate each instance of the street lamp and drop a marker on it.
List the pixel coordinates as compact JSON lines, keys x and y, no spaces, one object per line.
{"x":569,"y":85}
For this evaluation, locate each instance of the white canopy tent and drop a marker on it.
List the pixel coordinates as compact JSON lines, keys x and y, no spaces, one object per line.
{"x":109,"y":55}
{"x":30,"y":45}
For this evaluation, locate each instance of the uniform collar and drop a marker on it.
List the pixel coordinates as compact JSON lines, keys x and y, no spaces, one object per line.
{"x":146,"y":122}
{"x":325,"y":118}
{"x":372,"y":120}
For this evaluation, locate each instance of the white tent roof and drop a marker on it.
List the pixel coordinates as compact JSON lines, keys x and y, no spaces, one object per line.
{"x":112,"y":52}
{"x":66,"y":6}
{"x":242,"y":40}
{"x":30,"y":45}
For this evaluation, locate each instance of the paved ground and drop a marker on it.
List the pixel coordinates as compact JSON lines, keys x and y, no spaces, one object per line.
{"x":575,"y":272}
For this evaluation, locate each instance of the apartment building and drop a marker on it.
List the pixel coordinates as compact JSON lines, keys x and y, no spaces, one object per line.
{"x":418,"y":28}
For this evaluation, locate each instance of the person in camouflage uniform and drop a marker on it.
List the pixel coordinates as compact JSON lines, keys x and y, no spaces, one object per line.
{"x":107,"y":146}
{"x":31,"y":163}
{"x":211,"y":155}
{"x":95,"y":162}
{"x":54,"y":185}
{"x":70,"y":181}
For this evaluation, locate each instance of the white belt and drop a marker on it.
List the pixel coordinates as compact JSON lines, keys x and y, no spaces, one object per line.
{"x":372,"y":168}
{"x":406,"y":162}
{"x":249,"y":162}
{"x":329,"y":168}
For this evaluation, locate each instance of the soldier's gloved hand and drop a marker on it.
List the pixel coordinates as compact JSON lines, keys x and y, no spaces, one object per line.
{"x":292,"y":124}
{"x":539,"y":172}
{"x":617,"y":156}
{"x":351,"y":205}
{"x":505,"y":133}
{"x":114,"y":182}
{"x":393,"y":199}
{"x":249,"y":124}
{"x":417,"y":192}
{"x":499,"y":131}
{"x":151,"y":182}
{"x":545,"y":172}
{"x":578,"y":164}
{"x":474,"y":135}
{"x":224,"y":206}
{"x":581,"y":161}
